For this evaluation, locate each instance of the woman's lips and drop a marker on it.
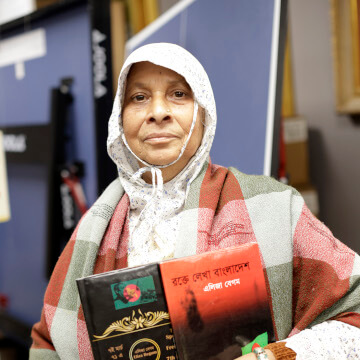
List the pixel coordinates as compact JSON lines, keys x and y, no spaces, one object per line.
{"x":159,"y":137}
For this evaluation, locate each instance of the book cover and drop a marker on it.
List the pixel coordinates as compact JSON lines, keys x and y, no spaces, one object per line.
{"x":218,"y":303}
{"x":126,"y":314}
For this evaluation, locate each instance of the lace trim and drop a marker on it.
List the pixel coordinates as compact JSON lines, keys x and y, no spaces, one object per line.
{"x":330,"y":340}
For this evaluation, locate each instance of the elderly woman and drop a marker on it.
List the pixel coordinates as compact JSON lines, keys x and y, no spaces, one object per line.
{"x":170,"y":201}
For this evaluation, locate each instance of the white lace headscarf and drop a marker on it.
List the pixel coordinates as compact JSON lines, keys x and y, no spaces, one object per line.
{"x":155,"y":209}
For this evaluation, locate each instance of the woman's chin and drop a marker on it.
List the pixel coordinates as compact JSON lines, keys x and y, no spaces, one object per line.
{"x":161,"y":162}
{"x":160,"y":159}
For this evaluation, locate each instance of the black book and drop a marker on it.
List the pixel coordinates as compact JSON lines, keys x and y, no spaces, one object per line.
{"x":126,"y":314}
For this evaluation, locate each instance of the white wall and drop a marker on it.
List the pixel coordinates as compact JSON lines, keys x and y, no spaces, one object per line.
{"x":334,"y":139}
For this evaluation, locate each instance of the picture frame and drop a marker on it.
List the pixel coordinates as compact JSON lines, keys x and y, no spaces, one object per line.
{"x":345,"y":17}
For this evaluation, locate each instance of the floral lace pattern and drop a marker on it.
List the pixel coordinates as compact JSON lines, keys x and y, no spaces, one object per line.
{"x":330,"y":340}
{"x":155,"y":213}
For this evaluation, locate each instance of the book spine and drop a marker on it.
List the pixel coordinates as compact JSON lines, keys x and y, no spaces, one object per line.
{"x":86,"y":310}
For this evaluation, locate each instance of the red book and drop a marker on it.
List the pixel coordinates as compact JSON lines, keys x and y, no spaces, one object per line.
{"x":218,"y":303}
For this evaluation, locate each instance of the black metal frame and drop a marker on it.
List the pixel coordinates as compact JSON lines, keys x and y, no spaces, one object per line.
{"x":60,"y":105}
{"x":101,"y":24}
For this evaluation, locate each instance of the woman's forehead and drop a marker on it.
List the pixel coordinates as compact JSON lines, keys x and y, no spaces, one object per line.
{"x":147,"y":71}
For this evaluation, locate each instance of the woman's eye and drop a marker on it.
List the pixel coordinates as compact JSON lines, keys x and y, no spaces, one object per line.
{"x":139,"y":97}
{"x":179,"y":94}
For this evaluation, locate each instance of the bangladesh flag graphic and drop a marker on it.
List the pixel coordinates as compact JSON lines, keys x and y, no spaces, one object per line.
{"x":261,"y":340}
{"x":133,"y":292}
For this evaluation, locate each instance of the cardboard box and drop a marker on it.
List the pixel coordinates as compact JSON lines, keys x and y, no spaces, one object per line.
{"x":43,"y":3}
{"x":296,"y":150}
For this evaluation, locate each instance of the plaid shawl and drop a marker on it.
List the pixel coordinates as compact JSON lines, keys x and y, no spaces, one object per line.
{"x":311,"y":276}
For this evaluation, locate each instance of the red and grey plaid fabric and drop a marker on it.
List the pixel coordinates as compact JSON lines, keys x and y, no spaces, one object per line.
{"x":311,"y":276}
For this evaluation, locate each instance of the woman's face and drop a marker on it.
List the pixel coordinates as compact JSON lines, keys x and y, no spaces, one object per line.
{"x":157,"y":115}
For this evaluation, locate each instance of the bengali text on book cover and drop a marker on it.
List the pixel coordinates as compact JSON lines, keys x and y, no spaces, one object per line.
{"x":218,"y":303}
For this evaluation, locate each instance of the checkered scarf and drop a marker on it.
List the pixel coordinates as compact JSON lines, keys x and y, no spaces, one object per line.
{"x":311,"y":276}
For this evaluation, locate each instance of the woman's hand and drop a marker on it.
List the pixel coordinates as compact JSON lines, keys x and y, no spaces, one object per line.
{"x":252,"y":356}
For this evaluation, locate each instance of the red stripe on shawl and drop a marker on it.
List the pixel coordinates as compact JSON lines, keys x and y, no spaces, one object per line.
{"x":81,"y":313}
{"x":53,"y":292}
{"x":121,"y":253}
{"x":84,"y":346}
{"x":49,"y":314}
{"x":316,"y":287}
{"x":115,"y":227}
{"x":350,"y":318}
{"x":219,"y":186}
{"x":113,"y":249}
{"x":105,"y":262}
{"x":230,"y":227}
{"x":40,"y":335}
{"x":231,"y":191}
{"x":223,"y":219}
{"x":313,"y":240}
{"x":322,"y":269}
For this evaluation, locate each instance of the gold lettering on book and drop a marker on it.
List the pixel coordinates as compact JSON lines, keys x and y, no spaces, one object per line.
{"x":154,"y":349}
{"x":129,"y":324}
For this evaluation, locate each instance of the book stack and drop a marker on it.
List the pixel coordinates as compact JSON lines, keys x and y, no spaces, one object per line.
{"x":217,"y":303}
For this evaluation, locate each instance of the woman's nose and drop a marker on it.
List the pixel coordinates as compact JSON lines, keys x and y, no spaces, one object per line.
{"x":159,"y":109}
